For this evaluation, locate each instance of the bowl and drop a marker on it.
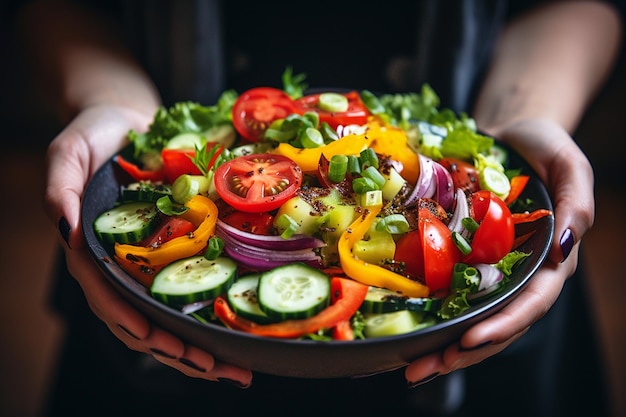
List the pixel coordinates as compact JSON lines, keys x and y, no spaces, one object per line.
{"x":308,"y":358}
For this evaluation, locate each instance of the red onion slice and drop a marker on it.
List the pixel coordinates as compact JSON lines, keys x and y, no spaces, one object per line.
{"x":296,"y":242}
{"x":445,"y":187}
{"x":426,"y":185}
{"x":490,"y":279}
{"x":460,"y":212}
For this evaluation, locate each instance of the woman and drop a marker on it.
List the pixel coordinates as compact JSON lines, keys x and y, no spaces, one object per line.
{"x":526,"y":74}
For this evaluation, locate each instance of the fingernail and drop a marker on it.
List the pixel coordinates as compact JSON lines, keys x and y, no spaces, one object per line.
{"x":64,"y":229}
{"x":234,"y":383}
{"x":469,"y":349}
{"x":191,"y":364}
{"x":127,"y":332}
{"x":567,"y":243}
{"x":423,"y":381}
{"x":159,"y":352}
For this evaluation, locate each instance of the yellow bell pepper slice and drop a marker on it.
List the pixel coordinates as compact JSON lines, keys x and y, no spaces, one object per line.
{"x":202,"y":213}
{"x":392,"y":141}
{"x":370,"y":274}
{"x":308,"y":158}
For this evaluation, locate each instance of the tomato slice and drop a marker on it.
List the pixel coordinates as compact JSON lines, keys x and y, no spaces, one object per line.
{"x":258,"y":182}
{"x":256,"y":223}
{"x":257,"y":108}
{"x":357,"y":112}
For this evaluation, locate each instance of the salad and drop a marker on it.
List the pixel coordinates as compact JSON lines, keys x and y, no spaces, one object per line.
{"x":327,"y":215}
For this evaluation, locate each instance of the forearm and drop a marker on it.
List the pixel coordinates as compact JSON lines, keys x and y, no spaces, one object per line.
{"x":79,"y":61}
{"x":549,"y":64}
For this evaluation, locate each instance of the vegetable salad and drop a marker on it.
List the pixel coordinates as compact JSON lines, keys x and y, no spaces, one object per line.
{"x":329,"y":216}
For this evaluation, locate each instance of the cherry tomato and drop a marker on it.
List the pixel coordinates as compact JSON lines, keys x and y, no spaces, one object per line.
{"x":257,"y":108}
{"x":464,"y":174}
{"x":177,"y":162}
{"x":495,"y":235}
{"x":258,"y":182}
{"x":429,"y":252}
{"x":357,"y":112}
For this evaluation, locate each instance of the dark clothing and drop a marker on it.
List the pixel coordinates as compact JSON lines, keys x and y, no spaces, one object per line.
{"x":552,"y":371}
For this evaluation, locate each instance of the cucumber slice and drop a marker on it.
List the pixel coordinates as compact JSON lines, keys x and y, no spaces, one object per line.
{"x":382,"y":300}
{"x":145,"y":191}
{"x":186,"y":141}
{"x":397,"y":322}
{"x":495,"y":181}
{"x":293,"y":291}
{"x":193,"y":279}
{"x":126,"y":223}
{"x":242,"y":298}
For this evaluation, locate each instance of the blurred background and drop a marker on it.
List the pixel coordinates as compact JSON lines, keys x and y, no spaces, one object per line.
{"x":32,"y":334}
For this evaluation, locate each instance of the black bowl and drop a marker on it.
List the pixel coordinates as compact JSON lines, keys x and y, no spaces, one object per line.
{"x":306,"y":358}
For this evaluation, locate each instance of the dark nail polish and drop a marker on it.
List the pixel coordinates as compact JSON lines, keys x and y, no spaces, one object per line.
{"x":159,"y":352}
{"x":191,"y":364}
{"x":234,"y":383}
{"x":127,"y":332}
{"x":478,"y":346}
{"x":64,"y":229}
{"x":567,"y":243}
{"x":423,"y":381}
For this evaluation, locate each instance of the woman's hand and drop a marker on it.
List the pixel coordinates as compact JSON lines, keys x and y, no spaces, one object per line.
{"x":568,"y":175}
{"x":75,"y":154}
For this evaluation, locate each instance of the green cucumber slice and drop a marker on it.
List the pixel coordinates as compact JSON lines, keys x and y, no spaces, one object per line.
{"x":293,"y":291}
{"x":243,"y":299}
{"x":381,"y":300}
{"x":145,"y":191}
{"x":126,"y":223}
{"x":397,"y":322}
{"x":193,"y":279}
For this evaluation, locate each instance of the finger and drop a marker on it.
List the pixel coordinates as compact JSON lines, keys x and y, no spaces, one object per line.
{"x":196,"y":363}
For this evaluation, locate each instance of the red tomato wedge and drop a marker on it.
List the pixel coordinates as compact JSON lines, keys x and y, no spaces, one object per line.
{"x":495,"y":235}
{"x":357,"y":112}
{"x":257,"y":108}
{"x":429,"y":252}
{"x":177,"y":162}
{"x":257,"y":183}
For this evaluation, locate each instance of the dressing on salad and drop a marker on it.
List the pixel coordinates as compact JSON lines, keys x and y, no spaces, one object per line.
{"x":329,"y":216}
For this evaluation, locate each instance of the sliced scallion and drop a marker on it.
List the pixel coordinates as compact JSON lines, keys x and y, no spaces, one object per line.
{"x":333,"y":102}
{"x":461,"y":243}
{"x":337,"y":168}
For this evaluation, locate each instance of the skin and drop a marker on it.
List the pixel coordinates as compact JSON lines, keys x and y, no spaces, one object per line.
{"x":546,"y":70}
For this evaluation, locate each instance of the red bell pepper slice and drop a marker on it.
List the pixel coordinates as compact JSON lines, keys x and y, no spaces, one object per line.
{"x":137,"y":173}
{"x":518,"y":183}
{"x":348,"y":296}
{"x":532,"y":216}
